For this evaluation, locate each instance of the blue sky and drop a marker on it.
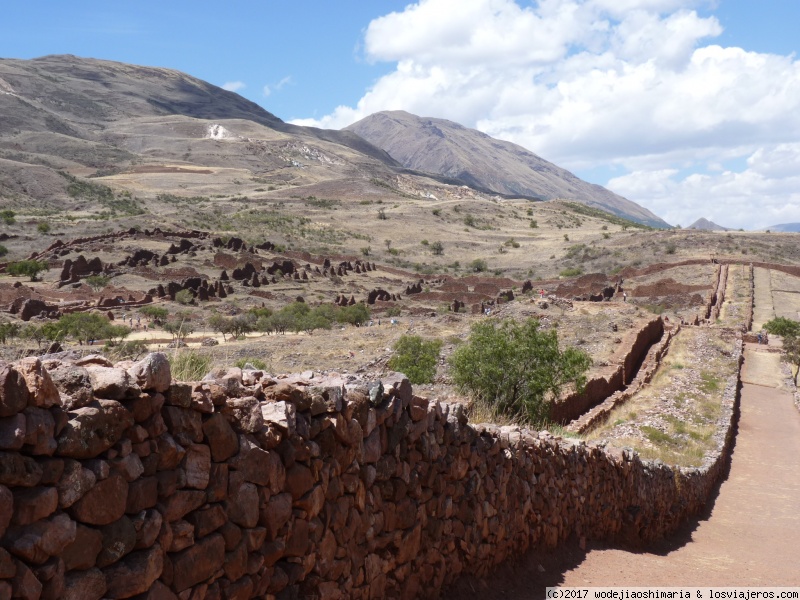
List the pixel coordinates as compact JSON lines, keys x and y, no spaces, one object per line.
{"x":688,"y":107}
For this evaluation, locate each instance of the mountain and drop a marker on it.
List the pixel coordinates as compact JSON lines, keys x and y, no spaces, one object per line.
{"x":480,"y":161}
{"x":706,"y":225}
{"x":99,"y":118}
{"x":785,"y":227}
{"x":155,"y":133}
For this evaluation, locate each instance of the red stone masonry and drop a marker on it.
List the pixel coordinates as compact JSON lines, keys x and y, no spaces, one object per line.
{"x":117,"y":482}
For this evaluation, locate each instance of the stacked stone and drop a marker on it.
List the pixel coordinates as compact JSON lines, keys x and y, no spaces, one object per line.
{"x":116,"y":482}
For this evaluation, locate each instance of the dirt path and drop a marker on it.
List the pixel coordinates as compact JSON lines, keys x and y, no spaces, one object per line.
{"x":750,"y":535}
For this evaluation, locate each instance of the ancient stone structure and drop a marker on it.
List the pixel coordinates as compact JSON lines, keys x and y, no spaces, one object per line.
{"x":117,"y":481}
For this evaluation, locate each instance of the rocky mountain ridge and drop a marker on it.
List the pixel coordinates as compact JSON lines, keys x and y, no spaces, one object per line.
{"x":70,"y":116}
{"x":478,"y":160}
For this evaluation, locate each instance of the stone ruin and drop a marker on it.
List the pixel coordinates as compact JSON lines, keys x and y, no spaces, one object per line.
{"x":382,"y":295}
{"x":118,"y":482}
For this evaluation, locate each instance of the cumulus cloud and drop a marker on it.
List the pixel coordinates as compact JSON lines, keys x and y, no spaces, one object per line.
{"x":233,"y":86}
{"x":635,"y":84}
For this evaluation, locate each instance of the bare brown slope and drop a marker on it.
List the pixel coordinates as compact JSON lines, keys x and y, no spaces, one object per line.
{"x":478,"y":160}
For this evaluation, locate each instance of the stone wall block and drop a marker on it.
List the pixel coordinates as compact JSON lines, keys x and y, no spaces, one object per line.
{"x":153,"y":372}
{"x":185,"y":424}
{"x":82,"y":552}
{"x":135,"y":574}
{"x":197,"y":464}
{"x":84,"y":585}
{"x":103,"y":504}
{"x":14,"y":392}
{"x":281,"y":414}
{"x":75,"y":481}
{"x":170,"y":452}
{"x":42,"y":539}
{"x":197,"y":563}
{"x":93,"y":429}
{"x":112,"y":383}
{"x":244,"y":414}
{"x":33,"y":504}
{"x":181,"y":503}
{"x":42,"y":392}
{"x":12,"y":432}
{"x":221,"y":438}
{"x":179,"y":394}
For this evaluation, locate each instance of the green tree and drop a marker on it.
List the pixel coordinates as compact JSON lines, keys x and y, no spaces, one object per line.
{"x":8,"y":331}
{"x":97,"y":282}
{"x":437,"y":248}
{"x":84,"y":326}
{"x":517,"y":369}
{"x":221,"y":324}
{"x":30,"y":268}
{"x":416,"y":358}
{"x":156,"y":313}
{"x":791,"y":349}
{"x":783,"y":327}
{"x":357,"y":314}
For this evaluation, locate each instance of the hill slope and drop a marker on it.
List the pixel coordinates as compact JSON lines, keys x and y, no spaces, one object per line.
{"x":478,"y":160}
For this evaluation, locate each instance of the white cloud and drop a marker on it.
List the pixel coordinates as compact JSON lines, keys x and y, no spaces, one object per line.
{"x":637,"y":84}
{"x":233,"y":86}
{"x":268,"y":89}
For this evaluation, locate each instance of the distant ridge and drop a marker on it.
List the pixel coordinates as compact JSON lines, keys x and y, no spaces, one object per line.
{"x":785,"y":228}
{"x":475,"y":159}
{"x":706,"y":225}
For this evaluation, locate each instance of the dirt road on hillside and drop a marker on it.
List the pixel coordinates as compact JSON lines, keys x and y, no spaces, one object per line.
{"x":750,"y":535}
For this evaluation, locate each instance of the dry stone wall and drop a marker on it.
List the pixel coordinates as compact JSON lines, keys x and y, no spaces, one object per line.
{"x":117,"y":482}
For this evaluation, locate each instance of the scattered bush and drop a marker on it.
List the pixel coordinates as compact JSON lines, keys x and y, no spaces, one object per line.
{"x":479,"y":265}
{"x":416,"y":358}
{"x":571,"y":272}
{"x":3,"y":250}
{"x":8,"y":217}
{"x":43,"y":227}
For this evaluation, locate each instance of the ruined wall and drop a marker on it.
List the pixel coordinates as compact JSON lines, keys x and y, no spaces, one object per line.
{"x":599,"y":388}
{"x":116,"y":481}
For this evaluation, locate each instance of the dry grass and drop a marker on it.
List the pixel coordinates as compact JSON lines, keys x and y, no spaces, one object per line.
{"x":675,"y":418}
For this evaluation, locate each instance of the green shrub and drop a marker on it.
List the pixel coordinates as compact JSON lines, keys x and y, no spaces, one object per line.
{"x":3,"y":250}
{"x":479,"y":265}
{"x":7,"y":216}
{"x":43,"y":227}
{"x":184,"y":297}
{"x":97,"y":282}
{"x":516,"y":369}
{"x":571,"y":272}
{"x":416,"y":358}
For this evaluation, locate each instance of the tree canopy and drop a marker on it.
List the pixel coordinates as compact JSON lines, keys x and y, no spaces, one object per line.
{"x":517,"y":369}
